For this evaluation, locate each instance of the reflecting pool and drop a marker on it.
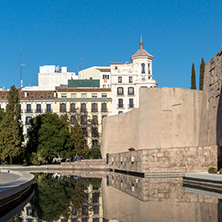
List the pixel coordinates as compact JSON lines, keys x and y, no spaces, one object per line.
{"x":117,"y":197}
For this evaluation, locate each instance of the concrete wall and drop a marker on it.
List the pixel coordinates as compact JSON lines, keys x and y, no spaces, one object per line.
{"x":211,"y":117}
{"x":166,"y":117}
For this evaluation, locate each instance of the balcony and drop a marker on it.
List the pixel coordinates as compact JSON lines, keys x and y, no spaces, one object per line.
{"x":120,"y":106}
{"x":131,"y":106}
{"x":94,"y":110}
{"x":28,"y":111}
{"x":62,"y":110}
{"x":83,"y":110}
{"x":27,"y":123}
{"x":49,"y":111}
{"x":38,"y":110}
{"x":104,"y":110}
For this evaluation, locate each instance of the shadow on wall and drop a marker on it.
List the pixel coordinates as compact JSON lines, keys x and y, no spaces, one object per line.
{"x":219,"y":131}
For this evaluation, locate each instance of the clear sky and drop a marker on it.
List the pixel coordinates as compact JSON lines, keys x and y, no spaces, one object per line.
{"x":61,"y":32}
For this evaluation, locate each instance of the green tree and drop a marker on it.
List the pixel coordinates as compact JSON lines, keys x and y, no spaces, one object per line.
{"x":2,"y":115}
{"x":11,"y":136}
{"x":49,"y":137}
{"x":78,"y":140}
{"x":193,"y":78}
{"x":94,"y":153}
{"x":201,"y":80}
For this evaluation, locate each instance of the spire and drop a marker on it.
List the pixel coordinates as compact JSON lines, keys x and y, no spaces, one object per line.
{"x":141,"y":42}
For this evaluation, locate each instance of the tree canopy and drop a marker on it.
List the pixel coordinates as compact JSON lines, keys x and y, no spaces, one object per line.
{"x":11,"y":136}
{"x":193,"y":78}
{"x":201,"y":81}
{"x":48,"y":137}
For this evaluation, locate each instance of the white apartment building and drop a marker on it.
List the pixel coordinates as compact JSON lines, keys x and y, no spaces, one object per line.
{"x":127,"y":79}
{"x":50,"y":77}
{"x":97,"y":72}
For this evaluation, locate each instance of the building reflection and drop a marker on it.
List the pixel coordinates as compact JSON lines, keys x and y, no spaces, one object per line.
{"x":120,"y":197}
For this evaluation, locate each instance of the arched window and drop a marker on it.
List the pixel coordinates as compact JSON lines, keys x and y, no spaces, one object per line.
{"x":94,"y":107}
{"x":62,"y":107}
{"x":104,"y":107}
{"x":120,"y":91}
{"x":143,"y":68}
{"x":130,"y":91}
{"x":83,"y":107}
{"x":72,"y":107}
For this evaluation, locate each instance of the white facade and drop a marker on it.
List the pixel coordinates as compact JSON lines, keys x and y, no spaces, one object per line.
{"x":127,"y":79}
{"x":50,"y":77}
{"x":97,"y":72}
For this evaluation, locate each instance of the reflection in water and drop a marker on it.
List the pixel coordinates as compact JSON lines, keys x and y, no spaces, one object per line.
{"x":118,"y":197}
{"x":129,"y":198}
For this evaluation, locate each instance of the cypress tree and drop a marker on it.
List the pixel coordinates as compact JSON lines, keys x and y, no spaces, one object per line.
{"x":11,"y":136}
{"x":193,"y":78}
{"x":201,"y":80}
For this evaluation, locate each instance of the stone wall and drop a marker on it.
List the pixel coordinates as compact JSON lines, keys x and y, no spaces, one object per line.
{"x":211,"y":116}
{"x":162,"y":160}
{"x":166,"y":117}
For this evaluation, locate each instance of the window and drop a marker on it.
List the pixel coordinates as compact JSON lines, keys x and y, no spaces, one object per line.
{"x":38,"y":108}
{"x":85,"y":210}
{"x":120,"y":79}
{"x":143,"y":78}
{"x":149,"y":68}
{"x":94,"y":143}
{"x":96,"y":209}
{"x":85,"y":142}
{"x":120,"y":112}
{"x":63,"y":95}
{"x":105,"y":76}
{"x":62,"y":107}
{"x":94,"y":119}
{"x":120,"y":91}
{"x":104,"y":116}
{"x":48,"y":108}
{"x":83,"y":107}
{"x":73,"y":95}
{"x":130,"y":91}
{"x":104,"y":95}
{"x":130,"y":79}
{"x":83,"y":119}
{"x":84,"y":130}
{"x":94,"y":95}
{"x":96,"y":219}
{"x":29,"y":211}
{"x":95,"y":132}
{"x":84,"y":95}
{"x":73,"y":119}
{"x":104,"y":85}
{"x":28,"y":108}
{"x":72,"y":107}
{"x":120,"y":105}
{"x":142,"y":68}
{"x":28,"y":120}
{"x":95,"y":197}
{"x":130,"y":103}
{"x":94,"y":107}
{"x":104,"y":107}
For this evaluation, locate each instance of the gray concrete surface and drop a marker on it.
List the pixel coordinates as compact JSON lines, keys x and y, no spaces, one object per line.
{"x":12,"y":182}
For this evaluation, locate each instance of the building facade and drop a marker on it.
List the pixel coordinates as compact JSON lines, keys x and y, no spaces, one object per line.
{"x":127,"y":79}
{"x":88,"y":106}
{"x":101,"y":73}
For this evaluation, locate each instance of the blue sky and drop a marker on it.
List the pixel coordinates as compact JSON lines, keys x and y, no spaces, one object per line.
{"x":60,"y":32}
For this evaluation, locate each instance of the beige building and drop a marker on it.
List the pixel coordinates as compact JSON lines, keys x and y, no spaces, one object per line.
{"x":87,"y":106}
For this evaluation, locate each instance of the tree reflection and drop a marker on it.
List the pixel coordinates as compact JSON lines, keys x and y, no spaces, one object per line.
{"x":58,"y":196}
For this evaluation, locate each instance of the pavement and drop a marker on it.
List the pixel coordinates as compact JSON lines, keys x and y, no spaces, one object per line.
{"x":12,"y":182}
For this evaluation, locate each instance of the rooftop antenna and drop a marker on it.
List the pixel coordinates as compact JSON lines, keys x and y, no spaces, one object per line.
{"x":21,"y":70}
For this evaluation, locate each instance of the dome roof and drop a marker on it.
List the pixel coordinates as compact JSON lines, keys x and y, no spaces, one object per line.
{"x":141,"y":52}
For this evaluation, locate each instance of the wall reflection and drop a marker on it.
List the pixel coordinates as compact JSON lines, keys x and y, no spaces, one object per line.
{"x":129,"y":198}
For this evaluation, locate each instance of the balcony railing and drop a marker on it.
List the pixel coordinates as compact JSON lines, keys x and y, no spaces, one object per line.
{"x":38,"y":110}
{"x":27,"y":123}
{"x":28,"y":110}
{"x":104,"y":110}
{"x":94,"y":110}
{"x":49,"y":110}
{"x":62,"y":110}
{"x":131,"y":106}
{"x":120,"y":106}
{"x":83,"y":110}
